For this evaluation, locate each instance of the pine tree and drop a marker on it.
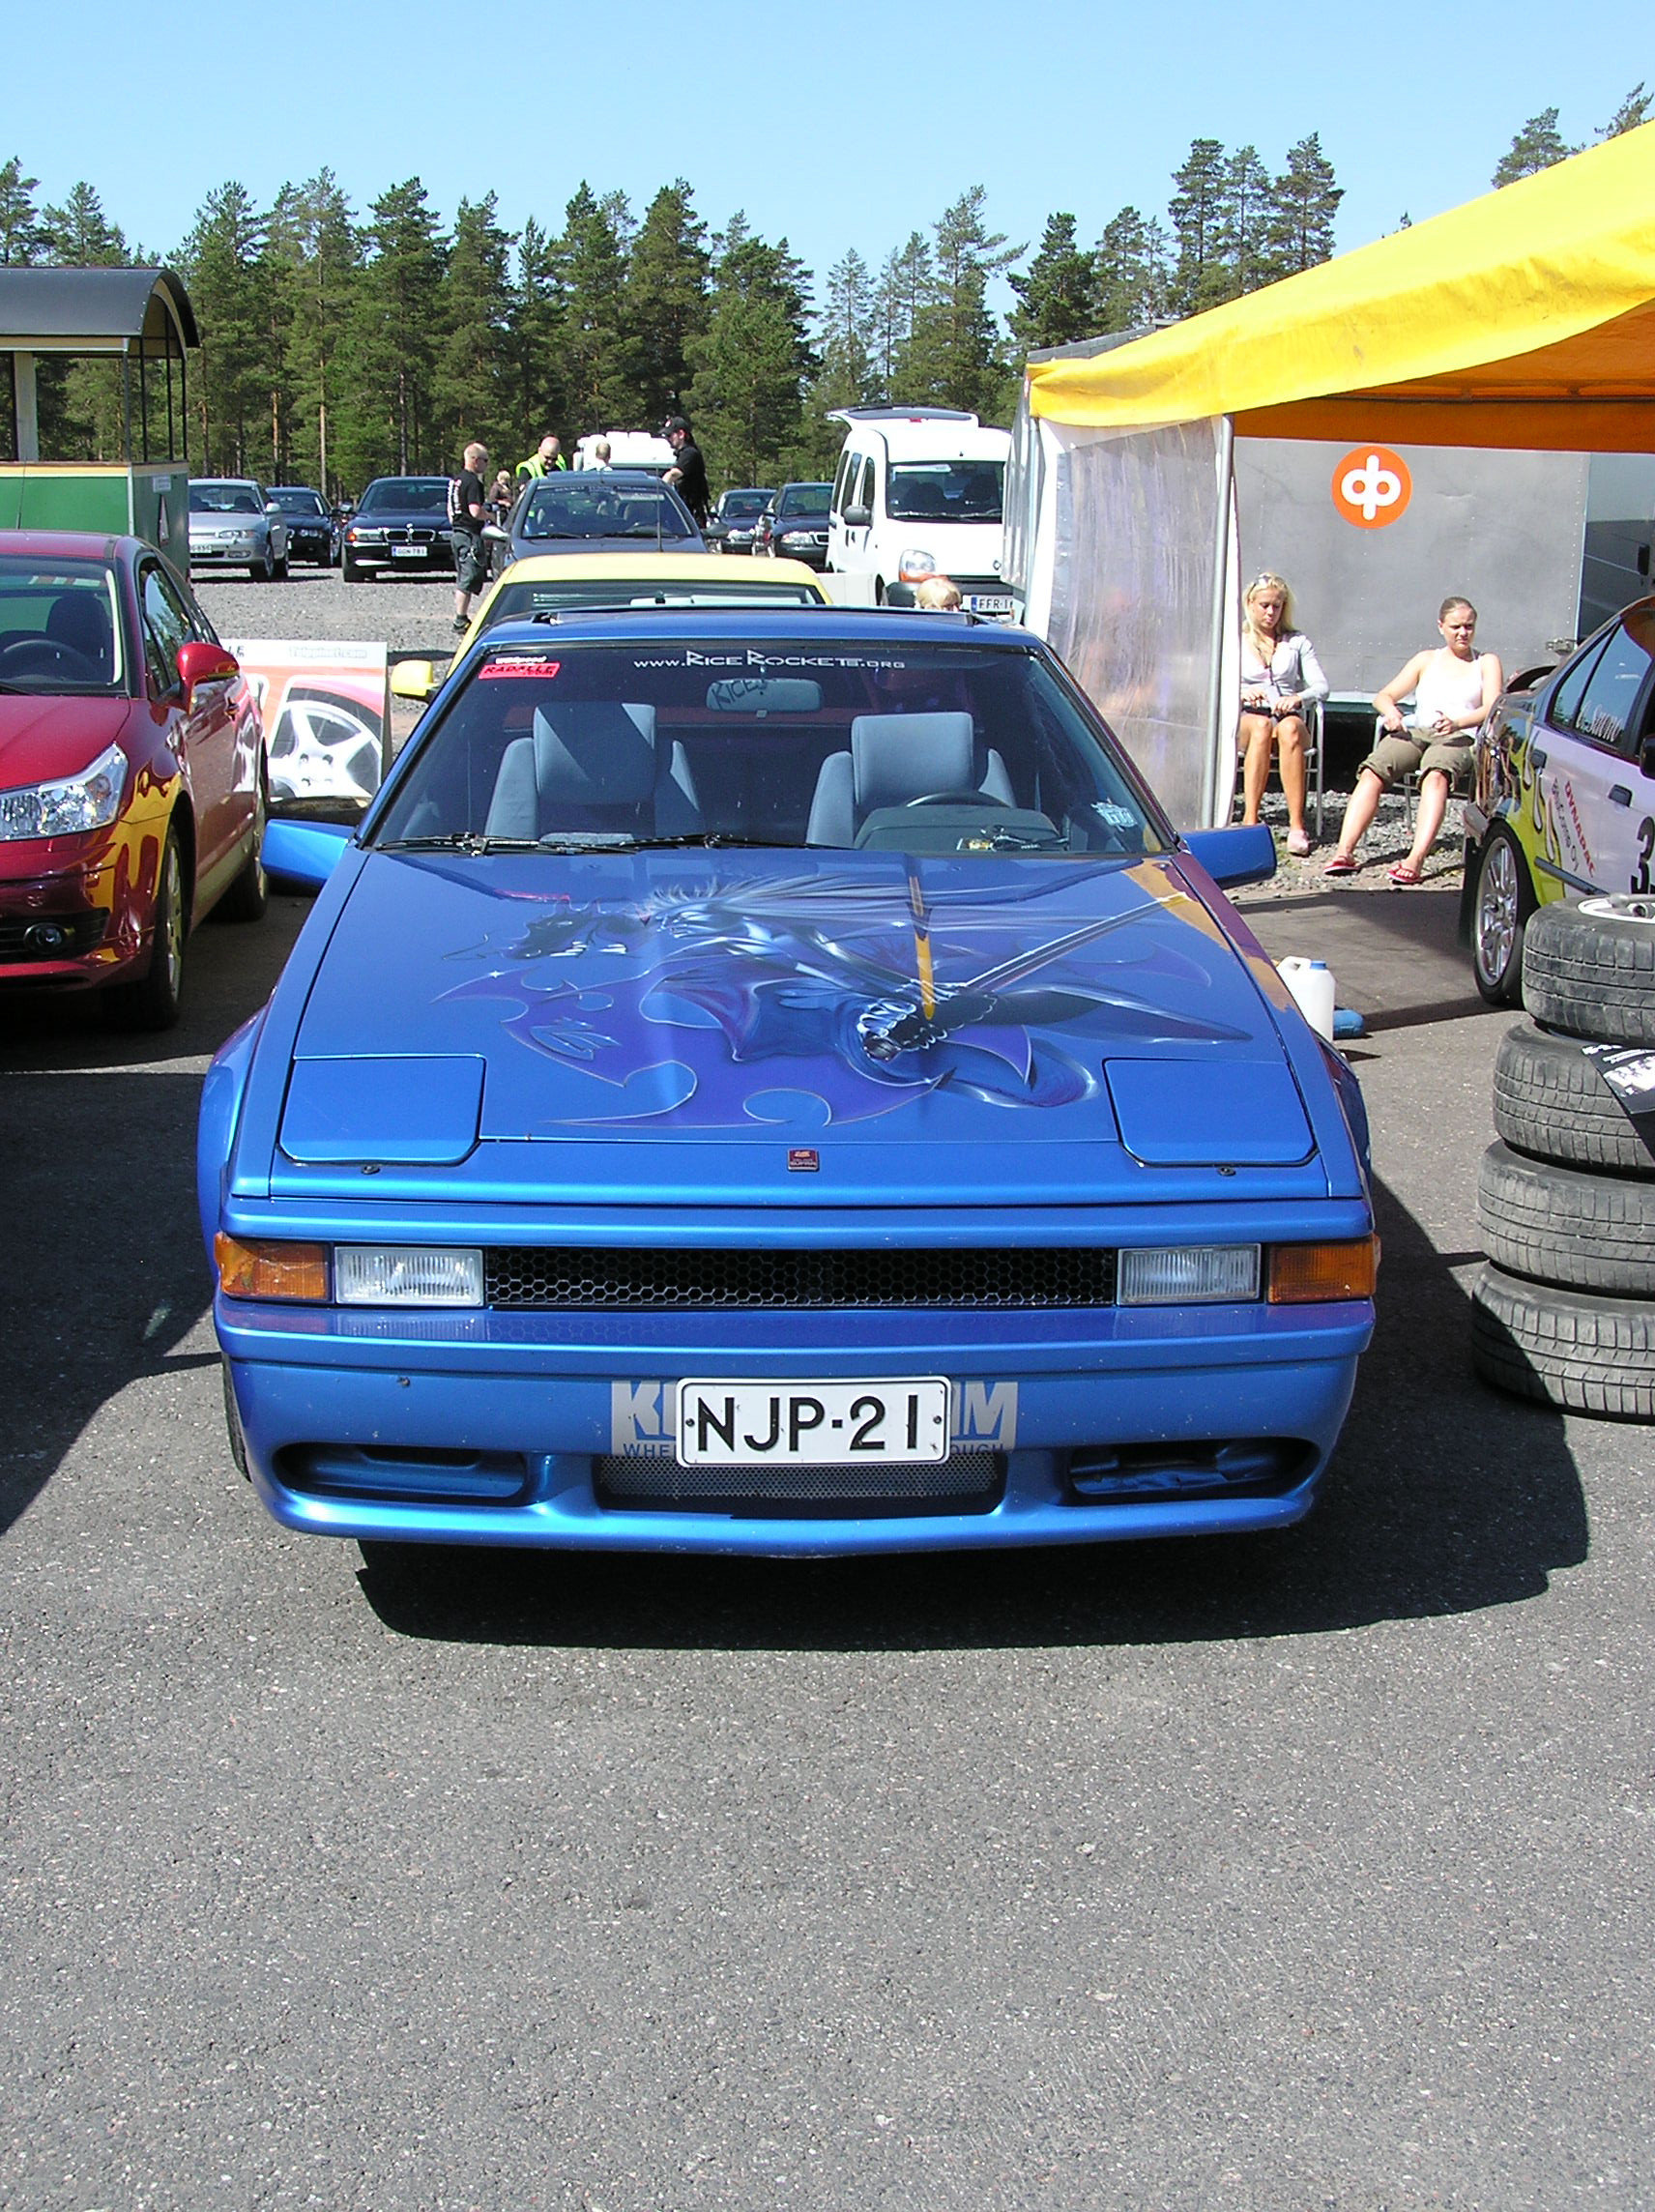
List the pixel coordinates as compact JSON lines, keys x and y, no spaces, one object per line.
{"x":1536,"y":146}
{"x":849,"y":375}
{"x":1243,"y":256}
{"x":1633,"y":110}
{"x":751,"y":364}
{"x":1057,"y":298}
{"x":471,"y":374}
{"x":21,"y":232}
{"x":1197,"y":209}
{"x":1303,"y":203}
{"x":953,"y":354}
{"x":80,"y":235}
{"x":591,"y":270}
{"x":224,"y":262}
{"x":313,"y":233}
{"x":1132,"y":273}
{"x":904,"y":284}
{"x":390,"y":424}
{"x":666,"y":298}
{"x":535,"y":346}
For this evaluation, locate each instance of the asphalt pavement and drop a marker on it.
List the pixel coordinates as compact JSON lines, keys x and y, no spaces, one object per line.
{"x":1309,"y":1871}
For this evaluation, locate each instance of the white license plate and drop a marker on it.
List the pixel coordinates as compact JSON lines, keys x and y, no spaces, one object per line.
{"x":818,"y":1424}
{"x":990,"y":603}
{"x":408,"y":552}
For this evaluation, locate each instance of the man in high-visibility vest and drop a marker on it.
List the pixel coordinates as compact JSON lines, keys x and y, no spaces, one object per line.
{"x":544,"y":459}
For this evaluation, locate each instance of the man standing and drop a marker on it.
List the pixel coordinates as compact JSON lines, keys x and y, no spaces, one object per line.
{"x":689,"y":475}
{"x":546,"y":456}
{"x":467,"y":514}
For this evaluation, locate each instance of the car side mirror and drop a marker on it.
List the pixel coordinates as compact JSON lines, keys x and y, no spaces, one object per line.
{"x":414,"y":679}
{"x":859,"y":517}
{"x":273,"y":506}
{"x":1242,"y":855}
{"x":201,"y":662}
{"x":304,"y":854}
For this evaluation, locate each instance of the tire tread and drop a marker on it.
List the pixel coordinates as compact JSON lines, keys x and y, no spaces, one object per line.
{"x":1552,"y":1103}
{"x":1564,"y":1348}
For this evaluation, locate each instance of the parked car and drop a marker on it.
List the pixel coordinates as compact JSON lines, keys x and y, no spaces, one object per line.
{"x":794,"y":526}
{"x":734,"y":522}
{"x":235,"y":524}
{"x":312,"y":534}
{"x":601,"y":510}
{"x":778,"y":1084}
{"x":561,"y":584}
{"x":132,"y":773}
{"x":1564,"y":804}
{"x":400,"y":527}
{"x":920,"y":491}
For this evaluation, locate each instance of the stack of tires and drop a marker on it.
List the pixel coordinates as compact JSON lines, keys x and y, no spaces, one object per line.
{"x":1565,"y":1310}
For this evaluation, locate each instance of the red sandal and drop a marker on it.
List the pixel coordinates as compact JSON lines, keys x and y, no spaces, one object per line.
{"x":1342,"y":864}
{"x":1404,"y":877}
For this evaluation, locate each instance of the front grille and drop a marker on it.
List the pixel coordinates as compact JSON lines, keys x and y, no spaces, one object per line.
{"x":563,"y":1278}
{"x":967,"y":1482}
{"x":21,"y":934}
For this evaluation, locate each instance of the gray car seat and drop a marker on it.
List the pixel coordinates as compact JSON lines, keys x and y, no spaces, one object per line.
{"x":894,"y":759}
{"x":593,"y":765}
{"x":79,"y":619}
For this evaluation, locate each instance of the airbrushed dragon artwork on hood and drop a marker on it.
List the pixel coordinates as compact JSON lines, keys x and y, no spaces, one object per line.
{"x":818,"y":1000}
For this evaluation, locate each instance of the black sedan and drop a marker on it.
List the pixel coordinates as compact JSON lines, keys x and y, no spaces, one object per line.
{"x":312,"y":534}
{"x":601,"y":510}
{"x":400,"y":523}
{"x":733,"y":523}
{"x":793,"y":527}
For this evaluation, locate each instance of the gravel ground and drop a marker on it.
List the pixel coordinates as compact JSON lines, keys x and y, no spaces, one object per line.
{"x":416,"y":616}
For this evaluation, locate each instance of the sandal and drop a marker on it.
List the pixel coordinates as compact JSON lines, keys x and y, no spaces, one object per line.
{"x":1342,"y":864}
{"x":1403,"y":876}
{"x":1298,"y":844}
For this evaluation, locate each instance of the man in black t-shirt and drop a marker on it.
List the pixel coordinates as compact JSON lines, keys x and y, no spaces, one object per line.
{"x":467,"y":514}
{"x":688,"y":478}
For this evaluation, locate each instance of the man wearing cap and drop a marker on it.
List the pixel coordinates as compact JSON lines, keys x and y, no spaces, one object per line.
{"x":688,"y":476}
{"x":544,"y":459}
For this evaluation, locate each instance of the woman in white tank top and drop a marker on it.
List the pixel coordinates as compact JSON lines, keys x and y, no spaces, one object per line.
{"x":1453,"y":688}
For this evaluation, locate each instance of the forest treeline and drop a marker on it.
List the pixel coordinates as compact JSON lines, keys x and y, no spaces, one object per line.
{"x":338,"y":345}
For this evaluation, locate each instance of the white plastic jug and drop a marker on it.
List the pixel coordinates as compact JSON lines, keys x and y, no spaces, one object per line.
{"x":1311,"y":983}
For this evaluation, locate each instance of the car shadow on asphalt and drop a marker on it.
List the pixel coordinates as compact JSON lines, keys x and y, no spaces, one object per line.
{"x":1445,"y":1497}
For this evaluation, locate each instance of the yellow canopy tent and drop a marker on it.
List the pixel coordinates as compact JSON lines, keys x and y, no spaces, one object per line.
{"x":1524,"y":319}
{"x":1521,"y":323}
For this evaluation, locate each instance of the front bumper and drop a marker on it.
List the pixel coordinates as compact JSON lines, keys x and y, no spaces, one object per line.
{"x":211,"y":555}
{"x":495,"y":1428}
{"x":85,"y":922}
{"x":421,"y":559}
{"x":812,"y":553}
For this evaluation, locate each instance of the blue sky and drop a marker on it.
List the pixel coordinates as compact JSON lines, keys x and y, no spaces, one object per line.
{"x":849,"y":124}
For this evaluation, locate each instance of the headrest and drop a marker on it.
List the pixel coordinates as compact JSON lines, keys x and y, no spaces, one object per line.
{"x":595,"y":753}
{"x":80,"y":620}
{"x":899,"y":757}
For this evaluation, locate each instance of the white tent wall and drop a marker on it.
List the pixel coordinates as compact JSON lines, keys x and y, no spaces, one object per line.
{"x":1128,"y":569}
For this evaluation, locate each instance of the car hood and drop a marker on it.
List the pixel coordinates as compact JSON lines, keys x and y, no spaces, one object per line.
{"x":644,"y":1022}
{"x":44,"y":738}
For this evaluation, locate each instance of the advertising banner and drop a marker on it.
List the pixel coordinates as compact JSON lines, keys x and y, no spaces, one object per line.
{"x":326,"y":706}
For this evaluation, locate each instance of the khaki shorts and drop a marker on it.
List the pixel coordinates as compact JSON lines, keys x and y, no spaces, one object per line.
{"x":1395,"y":756}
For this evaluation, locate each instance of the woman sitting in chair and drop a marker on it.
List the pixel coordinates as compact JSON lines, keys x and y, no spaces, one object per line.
{"x":1280,"y":676}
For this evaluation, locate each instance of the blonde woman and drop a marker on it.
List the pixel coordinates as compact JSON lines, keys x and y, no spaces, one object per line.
{"x":1280,"y":676}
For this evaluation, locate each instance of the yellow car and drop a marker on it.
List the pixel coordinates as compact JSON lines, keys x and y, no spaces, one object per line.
{"x":549,"y":583}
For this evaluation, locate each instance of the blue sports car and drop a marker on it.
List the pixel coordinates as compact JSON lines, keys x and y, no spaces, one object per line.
{"x":767,"y":1085}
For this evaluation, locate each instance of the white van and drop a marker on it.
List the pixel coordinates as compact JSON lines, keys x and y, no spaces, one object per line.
{"x":920,"y":491}
{"x":627,"y":450}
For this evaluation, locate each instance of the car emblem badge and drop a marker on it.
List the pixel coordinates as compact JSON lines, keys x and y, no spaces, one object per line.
{"x":802,"y":1159}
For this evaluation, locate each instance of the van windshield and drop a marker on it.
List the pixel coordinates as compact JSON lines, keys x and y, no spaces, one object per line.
{"x":946,"y":491}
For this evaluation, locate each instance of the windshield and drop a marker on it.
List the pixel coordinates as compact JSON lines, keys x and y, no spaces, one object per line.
{"x":521,"y":601}
{"x":405,"y":495}
{"x":946,"y":491}
{"x":739,"y":505}
{"x":589,"y":505}
{"x":60,"y":625}
{"x":224,"y":499}
{"x":957,"y":748}
{"x":298,"y":501}
{"x":805,"y":499}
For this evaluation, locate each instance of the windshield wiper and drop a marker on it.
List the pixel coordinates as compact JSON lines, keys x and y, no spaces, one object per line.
{"x":461,"y":841}
{"x":1006,"y":839}
{"x":622,"y":841}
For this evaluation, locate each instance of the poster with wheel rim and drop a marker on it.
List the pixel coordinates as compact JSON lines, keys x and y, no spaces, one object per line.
{"x":326,"y":706}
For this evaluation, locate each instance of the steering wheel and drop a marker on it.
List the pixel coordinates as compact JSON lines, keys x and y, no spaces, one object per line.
{"x":959,"y":798}
{"x":47,"y":656}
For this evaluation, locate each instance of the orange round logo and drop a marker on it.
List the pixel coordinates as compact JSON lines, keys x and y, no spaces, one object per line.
{"x":1371,"y":486}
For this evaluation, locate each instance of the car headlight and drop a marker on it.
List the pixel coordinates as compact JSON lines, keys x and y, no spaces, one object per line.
{"x":915,"y":564}
{"x":365,"y":536}
{"x":407,"y":1275}
{"x":1187,"y":1274}
{"x":64,"y":808}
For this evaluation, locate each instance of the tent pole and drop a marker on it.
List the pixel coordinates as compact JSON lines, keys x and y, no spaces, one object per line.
{"x":1213,"y":783}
